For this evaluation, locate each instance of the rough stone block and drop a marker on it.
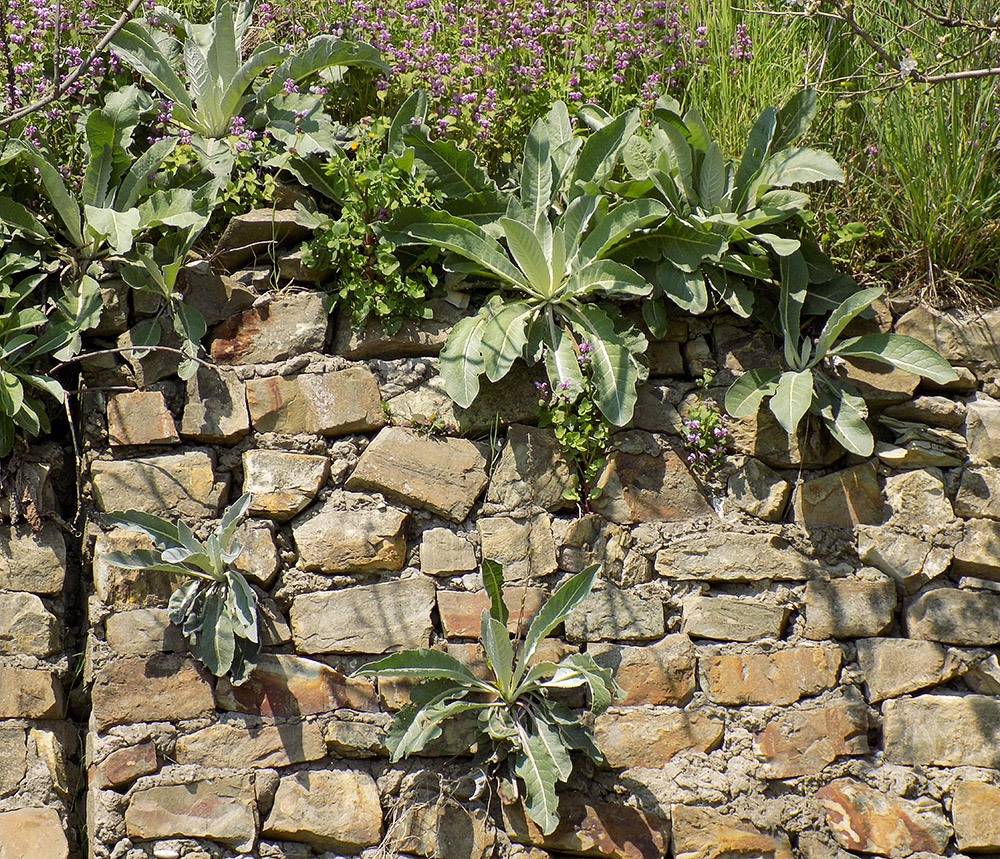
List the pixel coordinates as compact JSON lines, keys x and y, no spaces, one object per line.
{"x":122,"y":588}
{"x":33,"y":833}
{"x":878,"y":383}
{"x":844,"y":608}
{"x":140,"y":417}
{"x":14,"y":754}
{"x":943,"y":730}
{"x":255,"y":235}
{"x":802,"y":742}
{"x":616,"y":615}
{"x":334,"y":540}
{"x":704,"y":833}
{"x":660,"y":673}
{"x":982,"y":429}
{"x":934,"y":411}
{"x":446,"y":829}
{"x":173,"y":485}
{"x":327,"y":404}
{"x":222,"y":809}
{"x":232,"y":744}
{"x":32,"y":562}
{"x":532,"y":471}
{"x":644,"y":737}
{"x":782,"y":677}
{"x":733,"y":619}
{"x":978,"y":554}
{"x":26,"y":626}
{"x":158,"y":688}
{"x":873,"y":822}
{"x":355,"y":739}
{"x":155,"y":364}
{"x":443,"y":475}
{"x":30,"y":693}
{"x":841,"y":500}
{"x":461,"y":611}
{"x":918,"y":499}
{"x":280,"y":483}
{"x":215,"y":296}
{"x":895,"y":666}
{"x":444,"y":553}
{"x":365,"y":619}
{"x":416,"y":338}
{"x":216,"y":408}
{"x":654,"y":411}
{"x":524,"y":547}
{"x":282,"y":328}
{"x":760,"y":491}
{"x":332,"y":809}
{"x":733,"y":557}
{"x":142,"y":631}
{"x":975,"y":811}
{"x":284,"y":687}
{"x":126,"y":765}
{"x":979,"y":493}
{"x":955,"y":616}
{"x":259,"y":559}
{"x":912,"y":562}
{"x":762,"y":437}
{"x":958,"y":336}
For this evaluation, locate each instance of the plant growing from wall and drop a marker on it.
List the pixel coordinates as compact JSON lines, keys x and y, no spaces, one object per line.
{"x":706,"y":430}
{"x":520,"y":726}
{"x":217,"y":609}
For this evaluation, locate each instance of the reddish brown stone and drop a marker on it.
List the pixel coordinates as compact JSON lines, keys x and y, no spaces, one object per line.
{"x":126,"y":765}
{"x":32,"y":833}
{"x":29,"y":693}
{"x":635,"y":737}
{"x":975,"y":811}
{"x":274,"y":331}
{"x":841,"y":500}
{"x":593,"y":828}
{"x":769,"y":678}
{"x":802,"y":742}
{"x":461,"y":612}
{"x":872,"y":822}
{"x":286,"y":686}
{"x":140,"y":417}
{"x":704,"y":833}
{"x":661,"y":673}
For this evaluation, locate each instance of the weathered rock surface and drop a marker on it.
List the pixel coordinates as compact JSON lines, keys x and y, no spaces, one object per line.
{"x":284,"y":686}
{"x":872,"y":822}
{"x":331,"y":809}
{"x":29,"y":693}
{"x":532,"y":471}
{"x":121,"y":588}
{"x":803,"y":741}
{"x":733,"y":619}
{"x":762,"y":437}
{"x":760,"y":491}
{"x":287,"y":326}
{"x":912,"y":562}
{"x":445,"y":553}
{"x":642,"y":737}
{"x":943,"y":730}
{"x":280,"y":483}
{"x":782,"y":677}
{"x":978,"y":554}
{"x":216,"y":408}
{"x":443,"y":475}
{"x":841,"y":500}
{"x":33,"y":833}
{"x":215,"y":296}
{"x":895,"y":666}
{"x":936,"y":411}
{"x":654,"y":411}
{"x":461,"y":611}
{"x":524,"y":547}
{"x":32,"y":562}
{"x":26,"y":626}
{"x":415,"y":338}
{"x":232,"y":744}
{"x":327,"y":404}
{"x":844,"y":608}
{"x":13,"y":753}
{"x":333,"y":540}
{"x":613,"y":614}
{"x":255,"y":235}
{"x":182,"y":484}
{"x":879,"y":384}
{"x":126,"y":765}
{"x":982,"y":429}
{"x":259,"y":559}
{"x":365,"y":619}
{"x":975,"y":811}
{"x":159,"y":688}
{"x":979,"y":493}
{"x":704,"y":833}
{"x":960,"y":337}
{"x":140,"y":417}
{"x":732,"y":557}
{"x":955,"y":616}
{"x":918,"y":500}
{"x":430,"y":826}
{"x":660,"y":673}
{"x":222,"y":809}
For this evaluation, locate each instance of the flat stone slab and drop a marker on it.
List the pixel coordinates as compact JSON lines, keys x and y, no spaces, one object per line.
{"x":979,"y":493}
{"x":327,"y":404}
{"x":445,"y":553}
{"x":216,"y":408}
{"x":982,"y":429}
{"x":918,"y":500}
{"x":126,"y":765}
{"x":613,"y":614}
{"x":782,"y":677}
{"x":955,"y":616}
{"x":14,"y":754}
{"x":281,"y":483}
{"x":734,"y":557}
{"x":33,"y":833}
{"x":255,"y":235}
{"x":334,"y":540}
{"x":660,"y":673}
{"x":978,"y":554}
{"x":30,"y":693}
{"x":896,"y":666}
{"x":733,"y":619}
{"x":975,"y":811}
{"x":643,"y":737}
{"x":26,"y":626}
{"x":532,"y":471}
{"x":282,"y":328}
{"x":844,"y":608}
{"x":943,"y":730}
{"x":443,"y":475}
{"x":461,"y":611}
{"x":140,"y":417}
{"x":365,"y":619}
{"x":523,"y":547}
{"x":841,"y":500}
{"x":183,"y":484}
{"x":958,"y":336}
{"x":230,"y":744}
{"x":912,"y":562}
{"x":704,"y":833}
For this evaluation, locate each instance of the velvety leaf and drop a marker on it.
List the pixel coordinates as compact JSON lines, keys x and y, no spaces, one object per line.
{"x":600,"y":152}
{"x":747,"y":393}
{"x":462,"y":360}
{"x":845,"y":313}
{"x":791,"y":400}
{"x":795,"y":117}
{"x":615,"y":371}
{"x":794,"y":286}
{"x":504,"y":336}
{"x":449,"y":168}
{"x":758,"y":145}
{"x":712,"y":178}
{"x":493,"y":584}
{"x":901,"y":352}
{"x":685,"y":289}
{"x":160,"y":531}
{"x":533,"y":764}
{"x":499,"y":651}
{"x":844,"y":412}
{"x":536,"y":175}
{"x":422,"y":662}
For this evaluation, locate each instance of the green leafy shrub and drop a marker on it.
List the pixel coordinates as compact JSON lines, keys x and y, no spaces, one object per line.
{"x":520,"y":725}
{"x":218,"y":610}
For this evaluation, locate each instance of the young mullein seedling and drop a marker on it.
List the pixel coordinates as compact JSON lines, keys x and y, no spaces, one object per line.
{"x":521,"y":727}
{"x":217,"y":610}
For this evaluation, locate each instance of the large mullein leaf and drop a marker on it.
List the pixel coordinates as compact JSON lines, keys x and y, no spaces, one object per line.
{"x":324,"y":52}
{"x":795,"y":166}
{"x":848,"y":309}
{"x":747,"y":393}
{"x":499,"y":651}
{"x":611,"y":279}
{"x":599,"y":154}
{"x":536,"y":175}
{"x":63,"y":202}
{"x":792,"y":398}
{"x":529,"y":254}
{"x":214,"y":643}
{"x":794,"y":287}
{"x":453,"y":171}
{"x":533,"y":764}
{"x":242,"y":605}
{"x":561,"y":364}
{"x":580,"y":668}
{"x":136,"y":179}
{"x":415,"y":726}
{"x":413,"y":111}
{"x":163,"y":533}
{"x":493,"y":584}
{"x":231,"y":518}
{"x":615,"y":228}
{"x":712,"y":177}
{"x":236,"y":91}
{"x":682,"y":244}
{"x":685,"y":289}
{"x":844,"y":412}
{"x":116,"y":228}
{"x":795,"y":117}
{"x":756,"y":150}
{"x":422,"y":662}
{"x":135,"y":45}
{"x":902,"y":352}
{"x":504,"y":336}
{"x":462,"y":359}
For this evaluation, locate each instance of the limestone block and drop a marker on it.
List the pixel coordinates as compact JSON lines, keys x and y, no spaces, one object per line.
{"x":327,"y":404}
{"x":26,"y":626}
{"x":933,"y":410}
{"x":32,"y":562}
{"x":255,"y":235}
{"x":282,"y":328}
{"x":445,"y":553}
{"x":333,"y":540}
{"x":954,"y":616}
{"x":14,"y":754}
{"x":285,"y":686}
{"x":878,"y":383}
{"x":731,"y":557}
{"x":443,"y":475}
{"x":912,"y":562}
{"x":942,"y":730}
{"x":155,"y":364}
{"x":524,"y":547}
{"x":215,"y":296}
{"x":760,"y":491}
{"x":364,"y":619}
{"x":782,"y":677}
{"x":979,"y":493}
{"x":975,"y":811}
{"x":331,"y":809}
{"x":978,"y":554}
{"x":704,"y":833}
{"x":280,"y":483}
{"x":259,"y":559}
{"x":216,"y":408}
{"x":841,"y":500}
{"x":461,"y":611}
{"x":31,"y":833}
{"x":532,"y":471}
{"x":613,"y":614}
{"x":762,"y":437}
{"x":232,"y":744}
{"x":844,"y":608}
{"x":660,"y":673}
{"x":873,"y":822}
{"x":222,"y":809}
{"x":121,"y":588}
{"x":443,"y":829}
{"x":895,"y":666}
{"x":140,"y":417}
{"x":654,"y":411}
{"x":172,"y":485}
{"x":732,"y":619}
{"x":649,"y":737}
{"x":142,"y":631}
{"x":982,"y":429}
{"x":918,"y":499}
{"x":354,"y":739}
{"x":30,"y":693}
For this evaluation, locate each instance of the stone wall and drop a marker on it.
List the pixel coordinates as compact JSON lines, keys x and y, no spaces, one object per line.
{"x":806,"y":642}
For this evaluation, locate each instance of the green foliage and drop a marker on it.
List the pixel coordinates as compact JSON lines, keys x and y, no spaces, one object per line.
{"x":582,"y":431}
{"x":520,"y":725}
{"x":706,"y":430}
{"x":217,"y":610}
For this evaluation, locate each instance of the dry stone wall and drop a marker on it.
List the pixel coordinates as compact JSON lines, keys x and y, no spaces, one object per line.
{"x":806,"y":643}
